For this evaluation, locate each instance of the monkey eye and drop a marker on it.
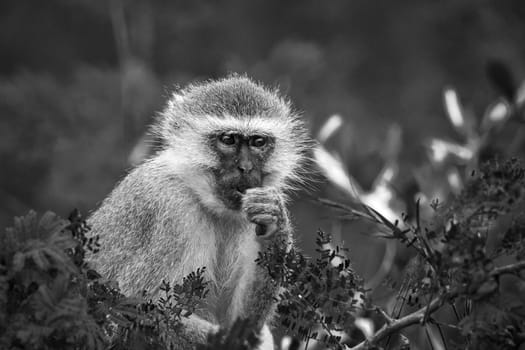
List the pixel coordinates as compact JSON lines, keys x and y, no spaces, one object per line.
{"x":227,"y":139}
{"x":257,"y":141}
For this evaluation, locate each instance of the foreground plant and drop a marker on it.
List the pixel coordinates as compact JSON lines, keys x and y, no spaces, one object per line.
{"x":50,"y":298}
{"x":469,"y":259}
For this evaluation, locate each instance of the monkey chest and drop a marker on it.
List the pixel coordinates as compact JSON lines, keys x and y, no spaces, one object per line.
{"x":233,"y":278}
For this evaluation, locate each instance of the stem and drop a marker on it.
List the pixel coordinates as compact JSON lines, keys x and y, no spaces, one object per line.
{"x":420,"y":315}
{"x":396,"y":325}
{"x":508,"y":269}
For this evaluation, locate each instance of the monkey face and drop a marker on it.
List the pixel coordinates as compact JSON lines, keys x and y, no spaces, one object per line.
{"x":241,"y":160}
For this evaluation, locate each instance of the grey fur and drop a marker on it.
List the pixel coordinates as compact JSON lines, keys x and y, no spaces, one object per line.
{"x":153,"y":226}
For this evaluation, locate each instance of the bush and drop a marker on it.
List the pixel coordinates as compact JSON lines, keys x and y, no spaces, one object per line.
{"x":51,"y":299}
{"x":469,"y":258}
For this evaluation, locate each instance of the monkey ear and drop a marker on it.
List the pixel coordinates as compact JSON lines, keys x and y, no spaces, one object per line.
{"x":176,"y":98}
{"x":174,"y":105}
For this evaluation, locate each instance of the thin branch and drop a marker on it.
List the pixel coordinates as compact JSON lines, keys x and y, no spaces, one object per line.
{"x":508,"y":269}
{"x":448,"y":325}
{"x":454,"y":308}
{"x":396,"y":325}
{"x":419,"y":316}
{"x":386,"y":316}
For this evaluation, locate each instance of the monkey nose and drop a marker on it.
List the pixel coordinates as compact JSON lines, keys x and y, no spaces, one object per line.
{"x":245,"y":167}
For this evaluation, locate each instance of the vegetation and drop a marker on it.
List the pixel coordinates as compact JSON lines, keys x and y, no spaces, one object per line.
{"x":470,"y":258}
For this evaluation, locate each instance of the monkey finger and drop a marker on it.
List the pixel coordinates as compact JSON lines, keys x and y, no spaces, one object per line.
{"x":262,"y":191}
{"x":263,"y":219}
{"x":253,"y":209}
{"x":263,"y":195}
{"x":260,"y":199}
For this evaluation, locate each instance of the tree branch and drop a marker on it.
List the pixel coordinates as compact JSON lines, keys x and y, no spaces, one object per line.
{"x":393,"y":325}
{"x":508,"y":269}
{"x":396,"y":325}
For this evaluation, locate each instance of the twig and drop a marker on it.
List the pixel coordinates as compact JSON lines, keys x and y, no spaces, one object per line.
{"x":455,"y":311}
{"x":386,"y":316}
{"x":406,"y":282}
{"x":396,"y":325}
{"x":508,"y":269}
{"x":420,"y":315}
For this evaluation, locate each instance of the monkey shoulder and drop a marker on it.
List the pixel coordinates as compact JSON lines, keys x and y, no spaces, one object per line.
{"x":137,"y":203}
{"x":141,"y":226}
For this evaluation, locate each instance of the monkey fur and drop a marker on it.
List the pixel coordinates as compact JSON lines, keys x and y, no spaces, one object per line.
{"x":213,"y":195}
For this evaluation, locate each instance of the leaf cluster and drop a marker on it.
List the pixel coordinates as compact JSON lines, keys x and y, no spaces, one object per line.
{"x":460,"y":253}
{"x":42,"y":288}
{"x":51,"y":299}
{"x":320,"y":295}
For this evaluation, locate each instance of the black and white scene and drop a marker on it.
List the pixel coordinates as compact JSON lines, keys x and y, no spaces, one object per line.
{"x":262,"y":175}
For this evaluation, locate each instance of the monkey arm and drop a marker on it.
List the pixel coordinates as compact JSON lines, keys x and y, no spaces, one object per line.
{"x":267,"y":207}
{"x":138,"y":248}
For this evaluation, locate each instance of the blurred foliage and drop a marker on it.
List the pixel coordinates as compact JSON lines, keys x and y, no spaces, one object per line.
{"x":81,"y":79}
{"x":453,"y":237}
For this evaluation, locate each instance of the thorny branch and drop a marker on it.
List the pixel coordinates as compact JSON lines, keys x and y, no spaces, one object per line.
{"x":419,"y":316}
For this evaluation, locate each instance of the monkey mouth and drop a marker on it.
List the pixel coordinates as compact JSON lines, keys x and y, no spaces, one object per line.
{"x":234,"y":198}
{"x":234,"y":190}
{"x":241,"y":189}
{"x":237,"y":193}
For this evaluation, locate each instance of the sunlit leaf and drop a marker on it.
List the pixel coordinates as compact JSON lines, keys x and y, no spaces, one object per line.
{"x":365,"y":325}
{"x":454,"y":180}
{"x":496,"y":113}
{"x":379,"y":199}
{"x":330,"y":126}
{"x":453,"y":108}
{"x":440,"y":149}
{"x":335,"y":172}
{"x":386,"y":175}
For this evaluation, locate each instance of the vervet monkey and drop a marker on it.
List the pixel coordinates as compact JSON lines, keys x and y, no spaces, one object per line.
{"x":213,"y":196}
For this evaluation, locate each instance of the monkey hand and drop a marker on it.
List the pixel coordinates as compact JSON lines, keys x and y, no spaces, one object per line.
{"x":265,"y":207}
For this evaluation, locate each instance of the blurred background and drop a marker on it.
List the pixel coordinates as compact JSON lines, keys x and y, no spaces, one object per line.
{"x":80,"y":81}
